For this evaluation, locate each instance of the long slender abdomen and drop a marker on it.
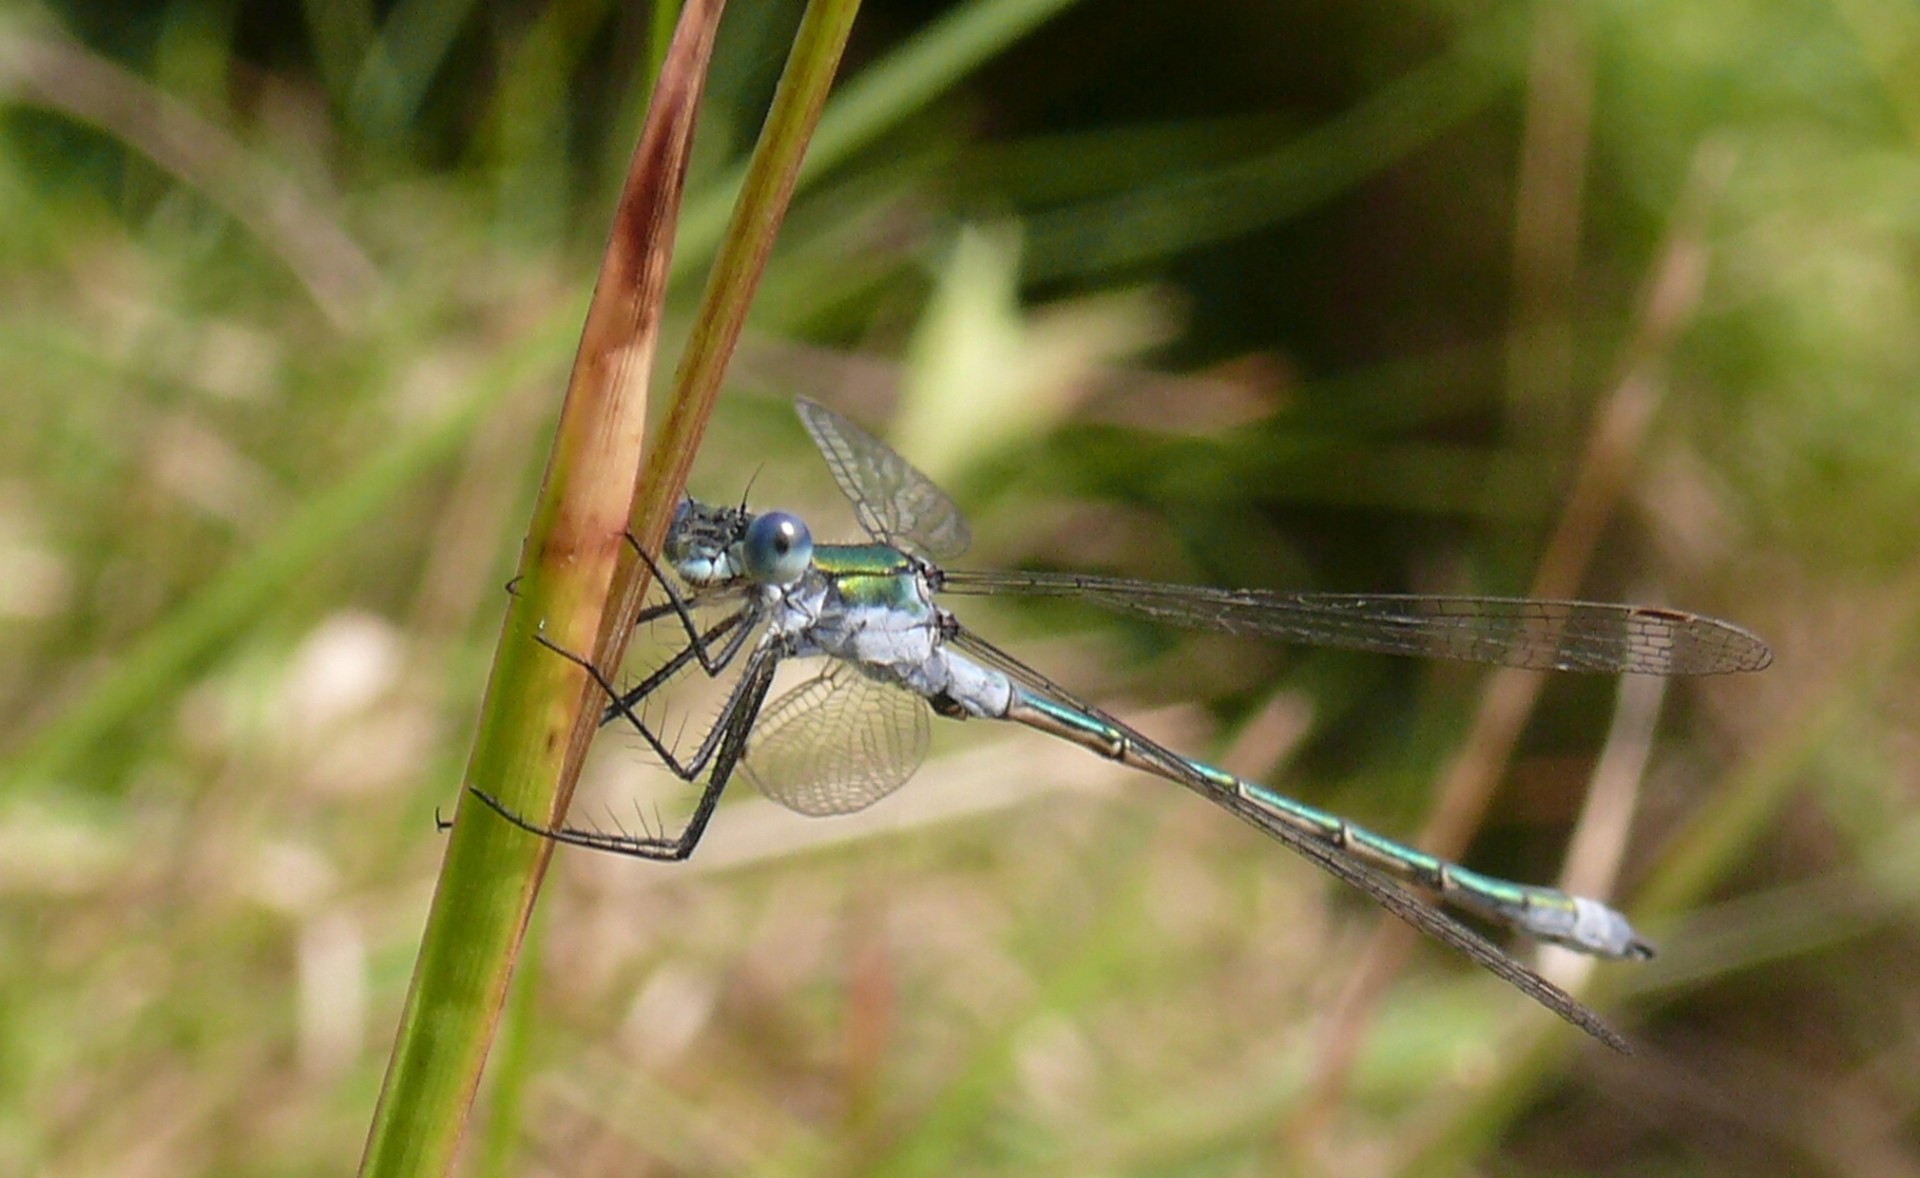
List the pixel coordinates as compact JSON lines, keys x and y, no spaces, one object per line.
{"x":1544,"y":913}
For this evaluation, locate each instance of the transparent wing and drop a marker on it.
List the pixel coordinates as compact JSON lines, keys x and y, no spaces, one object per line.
{"x":1388,"y":894}
{"x":837,"y":743}
{"x":895,"y":502}
{"x":1509,"y":631}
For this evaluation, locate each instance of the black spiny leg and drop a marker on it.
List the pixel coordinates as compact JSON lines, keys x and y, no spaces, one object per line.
{"x":622,"y":704}
{"x":724,"y":746}
{"x":733,"y":629}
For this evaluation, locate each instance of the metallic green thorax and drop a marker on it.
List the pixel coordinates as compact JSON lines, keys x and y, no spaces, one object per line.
{"x":870,"y":575}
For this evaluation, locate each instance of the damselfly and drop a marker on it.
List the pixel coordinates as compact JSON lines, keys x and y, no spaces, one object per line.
{"x":889,"y":656}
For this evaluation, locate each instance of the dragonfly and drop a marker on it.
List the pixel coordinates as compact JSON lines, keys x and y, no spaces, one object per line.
{"x":886,"y":656}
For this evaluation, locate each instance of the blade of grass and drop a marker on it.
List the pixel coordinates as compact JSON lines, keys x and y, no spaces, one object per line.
{"x":41,"y":66}
{"x":513,"y":1063}
{"x":1711,"y":846}
{"x":771,"y":175}
{"x":1082,"y":963}
{"x":883,"y":96}
{"x":1507,"y":701}
{"x":540,"y":711}
{"x":613,"y":357}
{"x":1218,"y":204}
{"x":394,"y":74}
{"x":156,"y":665}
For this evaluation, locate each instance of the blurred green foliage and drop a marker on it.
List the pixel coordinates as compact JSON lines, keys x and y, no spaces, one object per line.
{"x":1318,"y":295}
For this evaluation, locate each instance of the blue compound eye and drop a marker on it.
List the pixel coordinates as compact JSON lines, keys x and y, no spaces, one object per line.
{"x":778,"y":549}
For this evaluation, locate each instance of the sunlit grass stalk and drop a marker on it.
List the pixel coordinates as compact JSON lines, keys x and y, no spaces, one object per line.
{"x":540,"y":711}
{"x":877,"y":100}
{"x":771,"y":175}
{"x":577,"y":557}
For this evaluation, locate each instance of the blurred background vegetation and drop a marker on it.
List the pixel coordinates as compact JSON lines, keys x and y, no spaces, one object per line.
{"x":1322,"y":295}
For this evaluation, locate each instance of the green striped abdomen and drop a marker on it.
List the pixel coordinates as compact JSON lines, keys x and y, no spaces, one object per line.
{"x":1544,"y":913}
